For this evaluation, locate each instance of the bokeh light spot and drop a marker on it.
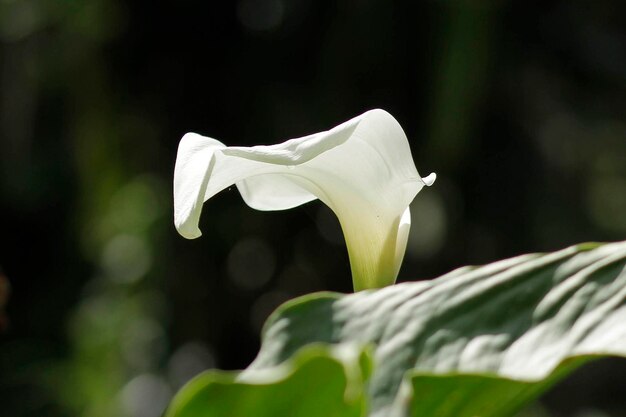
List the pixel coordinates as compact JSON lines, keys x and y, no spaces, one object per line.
{"x":188,"y":361}
{"x":146,"y":396}
{"x":126,"y":258}
{"x":251,"y":263}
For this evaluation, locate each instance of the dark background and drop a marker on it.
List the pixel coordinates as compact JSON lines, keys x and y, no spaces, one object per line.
{"x":520,"y":108}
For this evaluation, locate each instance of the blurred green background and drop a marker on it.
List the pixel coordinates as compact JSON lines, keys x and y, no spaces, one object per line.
{"x":519,"y":106}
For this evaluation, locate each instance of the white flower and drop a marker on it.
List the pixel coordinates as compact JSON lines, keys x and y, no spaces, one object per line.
{"x":362,"y":169}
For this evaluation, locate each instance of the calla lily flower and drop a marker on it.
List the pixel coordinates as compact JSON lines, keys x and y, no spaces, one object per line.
{"x":361,"y":169}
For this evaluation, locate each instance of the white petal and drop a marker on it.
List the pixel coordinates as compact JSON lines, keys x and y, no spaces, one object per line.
{"x":362,"y":169}
{"x":430,"y":179}
{"x":403,"y":237}
{"x":273,"y":192}
{"x":194,"y":164}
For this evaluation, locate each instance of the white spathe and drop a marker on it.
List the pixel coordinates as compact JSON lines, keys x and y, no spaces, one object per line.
{"x":362,"y":169}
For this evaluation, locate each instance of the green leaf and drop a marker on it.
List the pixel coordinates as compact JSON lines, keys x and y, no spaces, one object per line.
{"x":477,"y":342}
{"x":318,"y":380}
{"x":463,"y":395}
